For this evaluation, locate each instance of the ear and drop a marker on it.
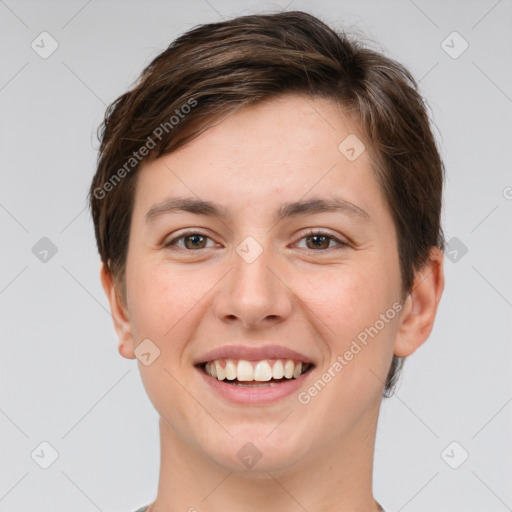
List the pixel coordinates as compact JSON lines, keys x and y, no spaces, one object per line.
{"x":119,"y":313}
{"x":420,"y":307}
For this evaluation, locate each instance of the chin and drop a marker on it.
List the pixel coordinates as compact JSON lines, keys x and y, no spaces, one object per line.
{"x":253,"y":451}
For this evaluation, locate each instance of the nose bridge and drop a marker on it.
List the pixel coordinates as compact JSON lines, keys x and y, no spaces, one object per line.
{"x":252,"y":292}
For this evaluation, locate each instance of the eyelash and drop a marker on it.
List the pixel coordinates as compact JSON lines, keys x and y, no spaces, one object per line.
{"x":308,"y":234}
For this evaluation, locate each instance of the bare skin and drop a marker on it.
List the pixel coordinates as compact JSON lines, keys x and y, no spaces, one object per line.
{"x":314,"y":298}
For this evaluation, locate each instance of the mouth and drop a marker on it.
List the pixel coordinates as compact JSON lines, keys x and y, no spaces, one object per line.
{"x":255,"y":374}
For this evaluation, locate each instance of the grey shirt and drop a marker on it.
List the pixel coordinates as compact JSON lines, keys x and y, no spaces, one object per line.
{"x":143,"y":509}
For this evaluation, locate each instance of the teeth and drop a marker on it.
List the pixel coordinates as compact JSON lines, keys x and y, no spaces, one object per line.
{"x":219,"y":371}
{"x":262,"y":371}
{"x":288,"y":369}
{"x":244,"y":371}
{"x":259,"y":371}
{"x":278,"y":370}
{"x":261,"y":385}
{"x":230,"y":370}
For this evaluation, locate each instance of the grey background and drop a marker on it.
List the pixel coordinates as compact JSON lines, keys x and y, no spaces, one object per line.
{"x":62,"y":379}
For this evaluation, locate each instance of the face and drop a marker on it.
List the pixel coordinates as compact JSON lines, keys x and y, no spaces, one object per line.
{"x":294,"y":257}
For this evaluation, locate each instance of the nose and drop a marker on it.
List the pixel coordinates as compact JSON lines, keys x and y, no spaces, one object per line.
{"x":253,"y":293}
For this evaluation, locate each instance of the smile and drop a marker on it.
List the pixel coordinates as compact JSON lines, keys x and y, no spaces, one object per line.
{"x":255,"y":382}
{"x":246,"y":373}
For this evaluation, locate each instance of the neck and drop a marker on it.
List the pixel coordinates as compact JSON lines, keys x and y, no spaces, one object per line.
{"x":337,"y":479}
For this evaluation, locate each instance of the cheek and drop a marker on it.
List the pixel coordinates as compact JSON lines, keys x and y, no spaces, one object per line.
{"x":347,"y":314}
{"x":161,"y":297}
{"x":164,"y":308}
{"x":344,"y":300}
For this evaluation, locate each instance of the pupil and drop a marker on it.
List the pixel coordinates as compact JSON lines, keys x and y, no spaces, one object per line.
{"x":194,"y":239}
{"x":319,"y":238}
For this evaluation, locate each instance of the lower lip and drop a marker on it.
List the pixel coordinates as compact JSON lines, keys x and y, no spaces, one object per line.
{"x":259,"y":395}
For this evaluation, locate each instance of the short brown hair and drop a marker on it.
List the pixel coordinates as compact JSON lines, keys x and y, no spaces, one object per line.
{"x":218,"y":68}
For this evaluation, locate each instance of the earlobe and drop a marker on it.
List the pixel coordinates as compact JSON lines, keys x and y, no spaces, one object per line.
{"x":119,"y":314}
{"x":420,"y":307}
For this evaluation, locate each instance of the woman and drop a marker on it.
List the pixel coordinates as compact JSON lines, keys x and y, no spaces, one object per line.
{"x":267,"y":210}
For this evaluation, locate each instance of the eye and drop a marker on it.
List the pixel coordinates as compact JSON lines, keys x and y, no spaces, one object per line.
{"x":192,"y":240}
{"x":320,"y":240}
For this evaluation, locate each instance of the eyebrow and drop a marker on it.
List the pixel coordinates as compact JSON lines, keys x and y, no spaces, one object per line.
{"x":286,"y":210}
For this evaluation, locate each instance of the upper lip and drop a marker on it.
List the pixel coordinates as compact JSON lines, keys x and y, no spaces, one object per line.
{"x":253,"y":353}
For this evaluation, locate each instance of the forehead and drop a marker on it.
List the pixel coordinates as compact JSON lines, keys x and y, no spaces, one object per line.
{"x":285,"y":148}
